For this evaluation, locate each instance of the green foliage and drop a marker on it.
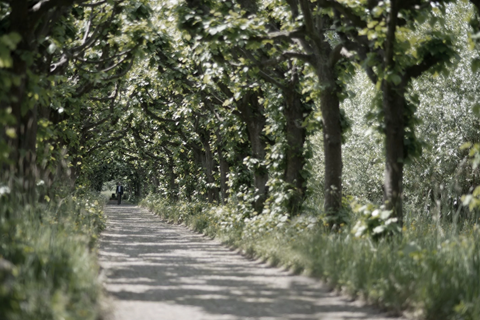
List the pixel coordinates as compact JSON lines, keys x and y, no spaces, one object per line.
{"x":429,"y":275}
{"x":373,"y":222}
{"x":8,"y":43}
{"x":48,"y":267}
{"x":472,"y":200}
{"x":440,"y":120}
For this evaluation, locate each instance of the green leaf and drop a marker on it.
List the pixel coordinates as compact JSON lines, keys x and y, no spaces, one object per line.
{"x":466,"y":145}
{"x":476,"y":109}
{"x":466,"y":199}
{"x":476,"y":192}
{"x":475,"y":65}
{"x":11,"y":133}
{"x":396,"y":79}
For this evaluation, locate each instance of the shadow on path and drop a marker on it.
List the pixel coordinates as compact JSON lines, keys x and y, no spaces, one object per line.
{"x":155,"y":270}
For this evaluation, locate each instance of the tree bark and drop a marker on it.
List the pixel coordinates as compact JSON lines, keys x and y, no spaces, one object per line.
{"x":324,"y":65}
{"x":23,"y":146}
{"x":332,"y":130}
{"x":224,"y":169}
{"x":172,"y":186}
{"x":394,"y":106}
{"x":332,"y":145}
{"x":251,"y":113}
{"x":295,"y":134}
{"x":209,"y":166}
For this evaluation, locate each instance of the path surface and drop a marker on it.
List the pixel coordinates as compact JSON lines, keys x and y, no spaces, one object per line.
{"x":155,"y":270}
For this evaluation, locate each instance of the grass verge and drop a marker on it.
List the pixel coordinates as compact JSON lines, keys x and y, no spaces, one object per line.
{"x":431,"y":271}
{"x":48,"y":263}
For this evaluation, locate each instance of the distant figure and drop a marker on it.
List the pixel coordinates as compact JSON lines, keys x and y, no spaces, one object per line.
{"x":119,"y":193}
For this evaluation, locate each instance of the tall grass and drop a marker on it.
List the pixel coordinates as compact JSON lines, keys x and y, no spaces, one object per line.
{"x":430,"y":271}
{"x":48,"y":267}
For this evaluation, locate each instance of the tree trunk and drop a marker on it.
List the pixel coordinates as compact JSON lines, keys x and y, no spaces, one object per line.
{"x":332,"y":145}
{"x":393,"y":106}
{"x":251,"y":113}
{"x":209,"y":164}
{"x":224,"y":169}
{"x":23,"y":146}
{"x":27,"y":139}
{"x":199,"y":160}
{"x":332,"y":130}
{"x":295,"y":134}
{"x":154,"y":183}
{"x":172,"y":186}
{"x":324,"y":61}
{"x":139,"y":176}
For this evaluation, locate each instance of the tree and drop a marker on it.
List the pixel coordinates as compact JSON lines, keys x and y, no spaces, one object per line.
{"x":28,"y":25}
{"x":382,"y":35}
{"x":62,"y":56}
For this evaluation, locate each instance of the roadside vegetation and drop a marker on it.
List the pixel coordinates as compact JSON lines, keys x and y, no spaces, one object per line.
{"x":48,"y":263}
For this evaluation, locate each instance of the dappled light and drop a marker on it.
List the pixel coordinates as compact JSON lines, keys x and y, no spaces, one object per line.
{"x":153,"y":269}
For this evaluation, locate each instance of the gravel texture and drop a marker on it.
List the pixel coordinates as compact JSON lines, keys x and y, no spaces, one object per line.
{"x":155,"y":270}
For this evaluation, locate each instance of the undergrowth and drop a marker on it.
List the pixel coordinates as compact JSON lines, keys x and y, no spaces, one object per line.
{"x":48,"y":266}
{"x":431,"y":270}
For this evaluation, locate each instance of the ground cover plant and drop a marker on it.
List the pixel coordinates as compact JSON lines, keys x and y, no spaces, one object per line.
{"x":48,"y":263}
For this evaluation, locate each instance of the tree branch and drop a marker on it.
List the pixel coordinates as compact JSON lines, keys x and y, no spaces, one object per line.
{"x":96,"y":124}
{"x":43,"y":6}
{"x":154,"y":116}
{"x":346,"y":11}
{"x":104,"y":142}
{"x":415,"y":71}
{"x":309,"y":58}
{"x":106,"y":69}
{"x":122,"y":73}
{"x":286,"y":35}
{"x":105,"y":59}
{"x":92,"y":4}
{"x":265,"y":76}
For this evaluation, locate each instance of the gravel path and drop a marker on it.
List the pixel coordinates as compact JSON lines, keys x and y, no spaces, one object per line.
{"x":155,"y":270}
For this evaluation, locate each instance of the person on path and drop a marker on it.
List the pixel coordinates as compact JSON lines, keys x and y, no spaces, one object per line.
{"x":119,"y":193}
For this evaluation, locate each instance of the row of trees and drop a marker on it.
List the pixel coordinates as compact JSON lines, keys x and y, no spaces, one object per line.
{"x":63,"y":63}
{"x":213,"y":99}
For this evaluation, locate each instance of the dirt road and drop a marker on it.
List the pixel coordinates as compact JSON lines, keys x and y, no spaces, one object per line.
{"x":154,"y":270}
